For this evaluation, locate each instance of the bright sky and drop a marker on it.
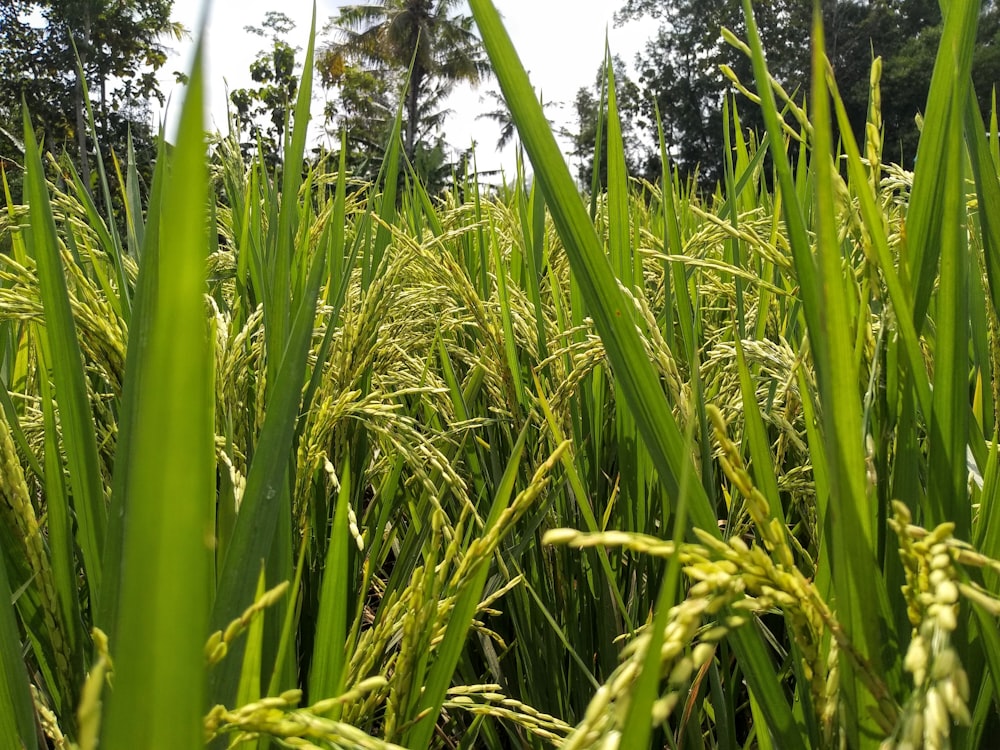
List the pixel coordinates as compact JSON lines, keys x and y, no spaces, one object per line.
{"x":561,"y":43}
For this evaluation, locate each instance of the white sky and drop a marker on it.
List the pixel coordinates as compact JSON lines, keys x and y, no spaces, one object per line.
{"x":561,"y":43}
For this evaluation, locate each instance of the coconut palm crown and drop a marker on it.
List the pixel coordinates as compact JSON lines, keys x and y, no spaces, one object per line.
{"x":428,"y":38}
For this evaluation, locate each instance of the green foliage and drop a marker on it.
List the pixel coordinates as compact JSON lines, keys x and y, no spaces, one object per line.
{"x":263,"y":112}
{"x":589,"y":108}
{"x":347,"y":465}
{"x":165,"y":564}
{"x":501,"y":116}
{"x":361,"y":108}
{"x":680,"y":68}
{"x":422,"y":44}
{"x":120,"y":48}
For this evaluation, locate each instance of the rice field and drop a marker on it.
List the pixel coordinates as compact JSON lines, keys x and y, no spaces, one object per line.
{"x":295,"y":461}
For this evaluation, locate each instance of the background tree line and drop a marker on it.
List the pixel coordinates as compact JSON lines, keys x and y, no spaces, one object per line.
{"x":120,"y":47}
{"x":364,"y":66}
{"x":367,"y":64}
{"x":390,"y":55}
{"x":679,"y":71}
{"x":378,"y":58}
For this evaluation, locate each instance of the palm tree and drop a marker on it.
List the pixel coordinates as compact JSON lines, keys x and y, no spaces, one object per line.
{"x":390,"y":34}
{"x":500,"y":114}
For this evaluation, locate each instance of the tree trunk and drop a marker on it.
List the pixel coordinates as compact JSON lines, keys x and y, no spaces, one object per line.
{"x":412,"y":113}
{"x":104,"y":111}
{"x":81,"y":121}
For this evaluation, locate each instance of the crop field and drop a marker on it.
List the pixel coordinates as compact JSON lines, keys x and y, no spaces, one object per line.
{"x":289,"y":460}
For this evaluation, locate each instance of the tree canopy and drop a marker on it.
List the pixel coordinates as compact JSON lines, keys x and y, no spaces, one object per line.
{"x":426,"y":46}
{"x":262,"y":111}
{"x":679,"y":70}
{"x":119,"y":46}
{"x":590,"y":114}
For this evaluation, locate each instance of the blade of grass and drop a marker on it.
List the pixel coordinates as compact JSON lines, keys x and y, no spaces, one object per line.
{"x":15,"y":429}
{"x":286,"y":644}
{"x":947,"y":494}
{"x":106,"y":609}
{"x":17,"y":711}
{"x":579,"y":493}
{"x":734,"y":252}
{"x":326,"y":675}
{"x":133,"y":203}
{"x":336,"y":261}
{"x":627,"y":265}
{"x":255,"y":526}
{"x":874,"y":221}
{"x":849,"y":524}
{"x":687,"y":319}
{"x":632,"y":368}
{"x":64,"y":687}
{"x":599,"y":138}
{"x":288,"y":212}
{"x":106,"y":239}
{"x":948,"y":90}
{"x":76,"y":419}
{"x":592,"y":269}
{"x":114,"y":247}
{"x":502,"y":275}
{"x":388,"y":179}
{"x":159,"y":656}
{"x":637,"y":724}
{"x":450,"y":648}
{"x":762,"y":462}
{"x":249,"y":687}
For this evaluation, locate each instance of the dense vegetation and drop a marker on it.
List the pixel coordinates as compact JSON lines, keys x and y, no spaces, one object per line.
{"x":681,"y":73}
{"x":298,"y":460}
{"x":63,"y":58}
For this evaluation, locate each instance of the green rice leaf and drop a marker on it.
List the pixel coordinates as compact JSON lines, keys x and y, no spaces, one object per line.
{"x":646,"y":689}
{"x":288,"y":213}
{"x":62,"y":685}
{"x":254,"y":531}
{"x":75,"y":416}
{"x":762,"y":462}
{"x":17,"y":711}
{"x":875,"y":223}
{"x":450,"y":648}
{"x":611,"y":312}
{"x":286,"y":645}
{"x":106,"y":611}
{"x":133,"y":204}
{"x":849,"y":523}
{"x":627,"y":265}
{"x":612,"y":316}
{"x":10,"y":412}
{"x":122,"y":300}
{"x":159,"y":687}
{"x":249,"y":688}
{"x":945,"y":107}
{"x":326,"y":675}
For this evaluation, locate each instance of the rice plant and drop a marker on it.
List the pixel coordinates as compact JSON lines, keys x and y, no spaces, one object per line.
{"x":306,"y":462}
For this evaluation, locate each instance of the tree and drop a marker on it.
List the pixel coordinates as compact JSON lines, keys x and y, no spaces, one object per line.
{"x":909,"y":60}
{"x":589,"y":111}
{"x":119,"y":48}
{"x":262,"y":111}
{"x":362,"y":108}
{"x":386,"y":36}
{"x":500,"y":114}
{"x":679,"y":68}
